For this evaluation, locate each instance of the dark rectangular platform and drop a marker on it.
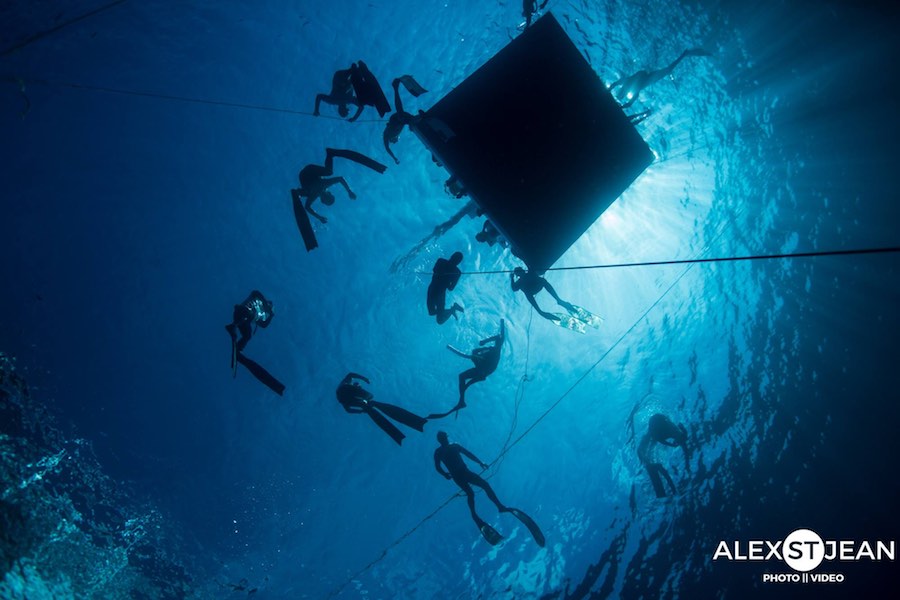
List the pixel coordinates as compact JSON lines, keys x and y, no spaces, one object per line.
{"x":537,"y":141}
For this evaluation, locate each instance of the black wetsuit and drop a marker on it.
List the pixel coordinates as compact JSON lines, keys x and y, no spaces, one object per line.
{"x":451,"y":456}
{"x":252,"y":310}
{"x":661,"y":430}
{"x":445,"y":276}
{"x":355,"y":399}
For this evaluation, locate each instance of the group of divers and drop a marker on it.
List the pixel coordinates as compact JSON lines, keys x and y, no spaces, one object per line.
{"x":357,"y":87}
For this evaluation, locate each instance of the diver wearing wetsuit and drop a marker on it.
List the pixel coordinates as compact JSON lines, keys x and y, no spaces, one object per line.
{"x":451,"y":457}
{"x":355,"y":399}
{"x":661,"y":430}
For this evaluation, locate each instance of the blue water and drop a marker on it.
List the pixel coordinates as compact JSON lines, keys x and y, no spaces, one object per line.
{"x":132,"y":223}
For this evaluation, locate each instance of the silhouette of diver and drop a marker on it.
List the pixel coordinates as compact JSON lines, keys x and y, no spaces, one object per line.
{"x":470,"y":209}
{"x":451,"y":456}
{"x":400,"y":118}
{"x":355,"y":399}
{"x":445,"y":276}
{"x":632,"y":85}
{"x":256,"y":310}
{"x":315,"y":180}
{"x":530,"y":8}
{"x":341,"y":93}
{"x":490,"y":236}
{"x":368,"y":90}
{"x":530,"y":284}
{"x":661,"y":430}
{"x":486,"y":360}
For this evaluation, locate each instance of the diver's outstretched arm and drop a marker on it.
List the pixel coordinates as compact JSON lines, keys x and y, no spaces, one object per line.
{"x":319,"y":99}
{"x":473,"y":457}
{"x":387,"y":146}
{"x":459,"y":353}
{"x":359,"y":108}
{"x":343,"y":182}
{"x":308,"y":206}
{"x":496,"y":338}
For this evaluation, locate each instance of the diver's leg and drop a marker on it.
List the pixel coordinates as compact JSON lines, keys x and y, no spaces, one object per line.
{"x":477,"y":480}
{"x":665,"y":474}
{"x":653,"y":472}
{"x":470,"y":499}
{"x":464,"y":383}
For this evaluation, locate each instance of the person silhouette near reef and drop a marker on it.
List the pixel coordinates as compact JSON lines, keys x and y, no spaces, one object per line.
{"x":450,"y":455}
{"x":661,"y":430}
{"x":355,"y":399}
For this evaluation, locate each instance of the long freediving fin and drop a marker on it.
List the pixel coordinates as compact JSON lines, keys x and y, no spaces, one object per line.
{"x":491,"y":535}
{"x":303,"y":222}
{"x":412,"y":86}
{"x":357,"y":157}
{"x":536,"y":532}
{"x":261,"y":374}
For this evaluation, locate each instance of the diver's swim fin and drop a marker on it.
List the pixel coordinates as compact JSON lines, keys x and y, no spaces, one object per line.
{"x":386,"y":426}
{"x":303,"y":223}
{"x":412,"y":86}
{"x":401,"y":415}
{"x":568,"y":321}
{"x":357,"y":157}
{"x":368,"y":90}
{"x":490,"y":534}
{"x":455,"y":409}
{"x":586,"y":317}
{"x":230,"y":330}
{"x":536,"y":532}
{"x":260,"y":373}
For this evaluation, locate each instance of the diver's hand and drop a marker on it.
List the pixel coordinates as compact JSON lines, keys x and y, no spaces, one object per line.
{"x":352,"y":195}
{"x":323,"y":220}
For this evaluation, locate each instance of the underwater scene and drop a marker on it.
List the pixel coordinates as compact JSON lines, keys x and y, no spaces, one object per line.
{"x":551,"y":300}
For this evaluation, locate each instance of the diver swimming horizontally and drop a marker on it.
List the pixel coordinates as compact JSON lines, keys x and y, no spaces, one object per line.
{"x":355,"y":399}
{"x":630,"y":87}
{"x":661,"y":430}
{"x":450,"y":455}
{"x":530,"y":283}
{"x":255,"y":311}
{"x":314,"y":183}
{"x":485,"y":359}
